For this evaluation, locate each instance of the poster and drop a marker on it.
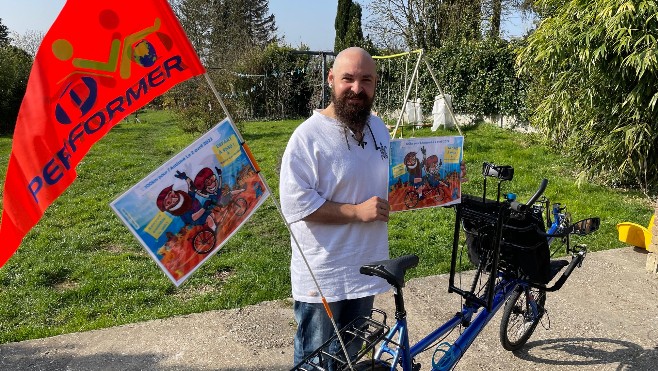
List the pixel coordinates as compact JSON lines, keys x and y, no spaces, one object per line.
{"x":184,"y":211}
{"x":424,"y":172}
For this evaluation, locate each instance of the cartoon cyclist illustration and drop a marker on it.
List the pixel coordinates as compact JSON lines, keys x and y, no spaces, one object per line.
{"x":207,"y":184}
{"x":432,"y":178}
{"x":213,"y":188}
{"x":182,"y":204}
{"x":432,"y":166}
{"x":414,"y":167}
{"x":210,"y":186}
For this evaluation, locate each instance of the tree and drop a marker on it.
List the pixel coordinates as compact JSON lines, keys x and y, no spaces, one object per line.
{"x":240,"y":26}
{"x":15,"y":71}
{"x":428,"y":24}
{"x":222,"y":30}
{"x":341,"y":22}
{"x":227,"y":35}
{"x":424,"y":24}
{"x":262,"y":25}
{"x":594,"y":67}
{"x":496,"y":13}
{"x":29,"y":41}
{"x":349,"y":29}
{"x":4,"y":34}
{"x":195,"y":17}
{"x":348,"y":26}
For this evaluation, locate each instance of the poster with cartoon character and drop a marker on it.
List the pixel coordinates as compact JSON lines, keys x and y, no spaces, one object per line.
{"x":184,"y":211}
{"x":424,"y":172}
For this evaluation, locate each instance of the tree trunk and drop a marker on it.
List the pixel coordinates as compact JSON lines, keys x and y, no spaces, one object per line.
{"x":494,"y":30}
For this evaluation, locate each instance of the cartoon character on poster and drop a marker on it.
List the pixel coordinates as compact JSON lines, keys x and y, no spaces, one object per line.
{"x":183,"y":212}
{"x":424,"y":172}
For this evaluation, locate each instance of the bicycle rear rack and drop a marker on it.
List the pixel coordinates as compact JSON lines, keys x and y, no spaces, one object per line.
{"x":365,"y":329}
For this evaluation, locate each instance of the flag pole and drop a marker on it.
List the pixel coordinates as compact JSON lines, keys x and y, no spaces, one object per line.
{"x":285,"y":221}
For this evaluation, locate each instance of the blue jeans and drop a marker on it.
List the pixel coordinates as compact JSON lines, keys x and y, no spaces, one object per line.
{"x":314,"y":327}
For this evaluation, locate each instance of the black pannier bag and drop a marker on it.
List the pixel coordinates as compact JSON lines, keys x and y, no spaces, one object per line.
{"x":524,"y":251}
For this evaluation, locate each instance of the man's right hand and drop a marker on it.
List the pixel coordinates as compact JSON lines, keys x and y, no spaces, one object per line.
{"x":375,"y":208}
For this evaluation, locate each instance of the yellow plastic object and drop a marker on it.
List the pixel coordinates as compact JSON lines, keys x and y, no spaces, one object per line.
{"x":635,"y":234}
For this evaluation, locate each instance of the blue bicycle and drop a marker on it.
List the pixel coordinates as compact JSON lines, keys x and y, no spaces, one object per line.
{"x":508,"y":244}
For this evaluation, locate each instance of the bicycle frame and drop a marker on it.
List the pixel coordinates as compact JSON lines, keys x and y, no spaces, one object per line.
{"x":403,"y":354}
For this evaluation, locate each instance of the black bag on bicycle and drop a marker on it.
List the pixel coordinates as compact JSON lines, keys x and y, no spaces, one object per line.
{"x":524,"y":251}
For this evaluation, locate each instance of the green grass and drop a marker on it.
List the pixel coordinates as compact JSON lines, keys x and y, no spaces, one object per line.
{"x":81,"y":269}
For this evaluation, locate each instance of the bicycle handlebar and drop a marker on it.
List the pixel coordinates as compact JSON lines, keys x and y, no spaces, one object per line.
{"x":521,"y":207}
{"x":576,"y":261}
{"x":540,"y":191}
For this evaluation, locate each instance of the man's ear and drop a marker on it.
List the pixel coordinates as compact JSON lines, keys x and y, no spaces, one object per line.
{"x":330,"y":77}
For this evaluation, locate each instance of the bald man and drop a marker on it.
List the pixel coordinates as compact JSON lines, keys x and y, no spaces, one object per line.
{"x":333,"y":189}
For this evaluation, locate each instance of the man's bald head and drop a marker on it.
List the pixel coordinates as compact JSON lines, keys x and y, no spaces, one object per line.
{"x":353,"y":80}
{"x":356,"y":58}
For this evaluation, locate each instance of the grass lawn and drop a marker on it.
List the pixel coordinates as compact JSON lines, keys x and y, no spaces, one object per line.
{"x":81,"y":269}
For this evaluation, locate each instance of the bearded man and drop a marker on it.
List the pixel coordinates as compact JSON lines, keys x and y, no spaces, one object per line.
{"x":333,"y":187}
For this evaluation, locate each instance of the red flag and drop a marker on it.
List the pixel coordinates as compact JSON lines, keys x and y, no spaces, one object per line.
{"x":100,"y":61}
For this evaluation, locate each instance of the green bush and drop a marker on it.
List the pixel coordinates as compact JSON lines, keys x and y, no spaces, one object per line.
{"x":16,"y":64}
{"x":479,"y":75}
{"x":274,"y":83}
{"x":594,"y":70}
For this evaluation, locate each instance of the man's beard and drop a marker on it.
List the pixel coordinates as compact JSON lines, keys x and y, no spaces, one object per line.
{"x":353,"y":115}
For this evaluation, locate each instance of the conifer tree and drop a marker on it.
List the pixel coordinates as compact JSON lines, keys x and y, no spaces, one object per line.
{"x":348,"y":25}
{"x":4,"y":34}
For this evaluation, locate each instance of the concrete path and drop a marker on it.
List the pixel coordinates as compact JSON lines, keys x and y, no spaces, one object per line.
{"x":604,"y":318}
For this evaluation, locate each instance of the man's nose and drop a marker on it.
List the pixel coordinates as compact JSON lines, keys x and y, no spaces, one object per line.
{"x":357,"y":87}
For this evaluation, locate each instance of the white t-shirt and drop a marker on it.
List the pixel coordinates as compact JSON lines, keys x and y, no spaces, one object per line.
{"x":318,"y":165}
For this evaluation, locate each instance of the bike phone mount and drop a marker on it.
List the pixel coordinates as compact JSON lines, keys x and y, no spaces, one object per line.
{"x":500,"y":172}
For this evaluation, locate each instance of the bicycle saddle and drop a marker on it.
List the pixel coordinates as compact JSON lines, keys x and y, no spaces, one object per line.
{"x":391,"y":270}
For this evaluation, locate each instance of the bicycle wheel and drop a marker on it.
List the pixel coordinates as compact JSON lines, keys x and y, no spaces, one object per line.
{"x":441,"y":193}
{"x":240,"y":206}
{"x":411,"y":199}
{"x":519,"y":319}
{"x":204,"y":241}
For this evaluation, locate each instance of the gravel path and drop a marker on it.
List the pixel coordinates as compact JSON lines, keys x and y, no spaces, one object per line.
{"x":604,"y":318}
